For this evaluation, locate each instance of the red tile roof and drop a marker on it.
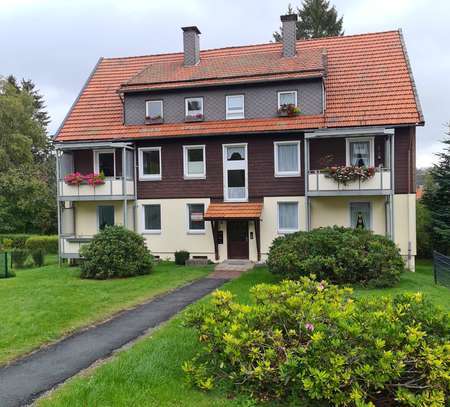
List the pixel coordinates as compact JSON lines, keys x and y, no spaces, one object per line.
{"x":233,"y":211}
{"x":368,"y":82}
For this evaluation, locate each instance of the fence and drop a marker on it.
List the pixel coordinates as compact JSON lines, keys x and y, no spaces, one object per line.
{"x":441,"y":268}
{"x":4,"y":266}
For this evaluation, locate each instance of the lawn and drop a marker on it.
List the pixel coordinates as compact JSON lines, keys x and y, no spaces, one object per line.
{"x":149,"y":374}
{"x":41,"y":305}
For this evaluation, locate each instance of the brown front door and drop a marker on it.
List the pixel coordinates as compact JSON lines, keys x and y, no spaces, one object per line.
{"x":237,"y":239}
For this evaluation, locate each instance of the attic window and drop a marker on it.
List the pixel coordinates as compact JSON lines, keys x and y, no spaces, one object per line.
{"x":194,"y":108}
{"x":287,"y":98}
{"x":154,"y":109}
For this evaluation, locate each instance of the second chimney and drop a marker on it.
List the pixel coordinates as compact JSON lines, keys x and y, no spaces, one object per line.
{"x":288,"y":32}
{"x":191,"y":45}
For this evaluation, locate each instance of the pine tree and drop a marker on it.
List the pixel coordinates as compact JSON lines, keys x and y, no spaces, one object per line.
{"x":316,"y":19}
{"x":437,"y":199}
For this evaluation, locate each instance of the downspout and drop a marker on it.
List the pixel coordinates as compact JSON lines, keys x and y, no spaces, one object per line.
{"x":392,"y":186}
{"x":135,"y":166}
{"x":408,"y":209}
{"x":58,"y":206}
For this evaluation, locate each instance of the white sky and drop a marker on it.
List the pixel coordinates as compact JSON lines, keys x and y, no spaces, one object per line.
{"x":56,"y":43}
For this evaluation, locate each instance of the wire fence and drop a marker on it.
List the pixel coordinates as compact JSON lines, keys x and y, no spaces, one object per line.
{"x":5,"y":269}
{"x":441,"y":268}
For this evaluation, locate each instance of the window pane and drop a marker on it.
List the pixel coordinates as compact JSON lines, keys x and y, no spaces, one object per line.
{"x":236,"y":178}
{"x":196,"y":212}
{"x":152,"y":217}
{"x":360,"y":153}
{"x":235,"y":153}
{"x":154,"y":108}
{"x":151,"y":165}
{"x":287,"y":98}
{"x":235,"y":102}
{"x":195,"y":163}
{"x":105,"y":216}
{"x":106,"y":164}
{"x":288,"y":215}
{"x":287,"y":157}
{"x":360,"y":215}
{"x":194,"y":106}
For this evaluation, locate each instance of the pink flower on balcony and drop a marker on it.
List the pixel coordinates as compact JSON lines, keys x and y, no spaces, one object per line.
{"x":95,"y":179}
{"x":74,"y":179}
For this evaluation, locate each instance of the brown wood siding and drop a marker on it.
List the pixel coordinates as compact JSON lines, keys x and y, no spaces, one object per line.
{"x":405,"y":160}
{"x":83,"y":161}
{"x":261,"y":179}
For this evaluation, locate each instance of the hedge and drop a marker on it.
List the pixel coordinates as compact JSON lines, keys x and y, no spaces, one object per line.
{"x":48,"y":244}
{"x":18,"y":240}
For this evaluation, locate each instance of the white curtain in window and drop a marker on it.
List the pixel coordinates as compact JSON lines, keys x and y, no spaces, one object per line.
{"x":360,"y":215}
{"x":235,"y":153}
{"x":287,"y":98}
{"x":360,"y":155}
{"x":287,"y":158}
{"x":288,"y":215}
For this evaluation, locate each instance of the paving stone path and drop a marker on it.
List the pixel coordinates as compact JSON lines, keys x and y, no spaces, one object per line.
{"x":23,"y":381}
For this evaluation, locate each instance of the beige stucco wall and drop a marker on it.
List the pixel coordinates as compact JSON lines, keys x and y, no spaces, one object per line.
{"x":405,"y":225}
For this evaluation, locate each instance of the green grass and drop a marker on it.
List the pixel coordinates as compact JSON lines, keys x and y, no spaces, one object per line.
{"x":41,"y":305}
{"x":149,"y":374}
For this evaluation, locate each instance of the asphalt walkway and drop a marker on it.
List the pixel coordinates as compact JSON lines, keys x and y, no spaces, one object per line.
{"x":24,"y":380}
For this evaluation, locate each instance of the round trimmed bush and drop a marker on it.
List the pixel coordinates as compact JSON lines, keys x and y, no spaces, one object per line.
{"x":115,"y":252}
{"x":181,"y":256}
{"x":309,"y":343}
{"x":339,"y":255}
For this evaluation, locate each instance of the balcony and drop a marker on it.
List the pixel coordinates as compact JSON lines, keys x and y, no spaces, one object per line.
{"x":321,"y":185}
{"x":71,"y":245}
{"x":113,"y":188}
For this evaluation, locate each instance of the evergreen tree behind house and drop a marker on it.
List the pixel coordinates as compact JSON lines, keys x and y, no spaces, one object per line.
{"x":316,"y":18}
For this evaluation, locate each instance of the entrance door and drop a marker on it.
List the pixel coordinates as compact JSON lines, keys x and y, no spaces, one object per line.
{"x":237,"y":239}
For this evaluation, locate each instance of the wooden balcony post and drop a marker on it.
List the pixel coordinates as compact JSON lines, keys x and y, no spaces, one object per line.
{"x":215,"y":232}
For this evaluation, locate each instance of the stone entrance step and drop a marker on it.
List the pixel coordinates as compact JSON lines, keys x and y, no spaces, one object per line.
{"x":232,"y":268}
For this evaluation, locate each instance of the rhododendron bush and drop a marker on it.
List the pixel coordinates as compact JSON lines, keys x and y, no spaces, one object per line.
{"x":307,"y":342}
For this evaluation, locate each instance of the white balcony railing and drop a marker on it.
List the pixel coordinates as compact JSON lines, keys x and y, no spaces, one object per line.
{"x":112,"y":187}
{"x":319,"y":183}
{"x":71,"y":245}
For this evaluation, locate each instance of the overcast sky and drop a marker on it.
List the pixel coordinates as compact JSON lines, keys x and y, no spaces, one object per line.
{"x":56,"y":43}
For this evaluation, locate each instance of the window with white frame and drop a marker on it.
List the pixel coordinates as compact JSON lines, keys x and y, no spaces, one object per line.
{"x":287,"y":217}
{"x":360,"y":215}
{"x":194,"y":107}
{"x":286,"y":98}
{"x":104,"y":162}
{"x":150,"y":163}
{"x":287,"y":158}
{"x":235,"y":172}
{"x":235,"y":107}
{"x":360,"y":151}
{"x":152,"y":218}
{"x":105,"y":216}
{"x":196,"y":222}
{"x":194,"y":161}
{"x":154,"y":109}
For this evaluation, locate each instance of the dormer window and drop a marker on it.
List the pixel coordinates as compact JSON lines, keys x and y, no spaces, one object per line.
{"x":194,"y":109}
{"x":235,"y":107}
{"x":287,"y":98}
{"x":154,"y":111}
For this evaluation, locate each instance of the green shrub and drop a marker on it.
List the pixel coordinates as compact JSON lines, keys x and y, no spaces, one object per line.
{"x":19,"y":257}
{"x":38,"y":256}
{"x":115,"y":252}
{"x":17,"y":240}
{"x":423,"y":229}
{"x":49,"y":244}
{"x":339,"y":255}
{"x":306,"y":342}
{"x":181,"y":256}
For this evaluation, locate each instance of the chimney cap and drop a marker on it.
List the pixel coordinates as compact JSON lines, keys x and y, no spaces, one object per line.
{"x":289,"y":17}
{"x":191,"y":28}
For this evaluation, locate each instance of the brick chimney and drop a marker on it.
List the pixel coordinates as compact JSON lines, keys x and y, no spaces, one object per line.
{"x":288,"y":33}
{"x":191,"y":45}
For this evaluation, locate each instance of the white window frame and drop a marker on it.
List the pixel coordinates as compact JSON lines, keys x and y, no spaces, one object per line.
{"x":147,"y":102}
{"x":186,"y":100}
{"x":370,"y":213}
{"x":275,"y":153}
{"x":97,"y":161}
{"x":185,"y":162}
{"x":149,"y":177}
{"x":348,"y":140}
{"x":98,"y":214}
{"x":151,"y":231}
{"x":282,"y":92}
{"x":195,"y":231}
{"x":290,"y":230}
{"x":229,"y":113}
{"x":230,"y":165}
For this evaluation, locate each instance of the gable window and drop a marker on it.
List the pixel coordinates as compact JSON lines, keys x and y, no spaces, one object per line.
{"x":287,"y":158}
{"x":154,"y":109}
{"x":235,"y":107}
{"x":360,"y":215}
{"x":194,"y":107}
{"x":152,"y":218}
{"x":105,"y":216}
{"x":104,"y":162}
{"x":287,"y":217}
{"x":235,"y":172}
{"x":287,"y":98}
{"x":194,"y":161}
{"x":150,"y":163}
{"x":360,"y":151}
{"x":196,"y":223}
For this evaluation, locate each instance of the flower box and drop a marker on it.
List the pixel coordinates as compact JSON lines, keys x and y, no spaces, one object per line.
{"x":91,"y":179}
{"x":154,"y":120}
{"x":346,"y":174}
{"x":194,"y":118}
{"x":289,"y":110}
